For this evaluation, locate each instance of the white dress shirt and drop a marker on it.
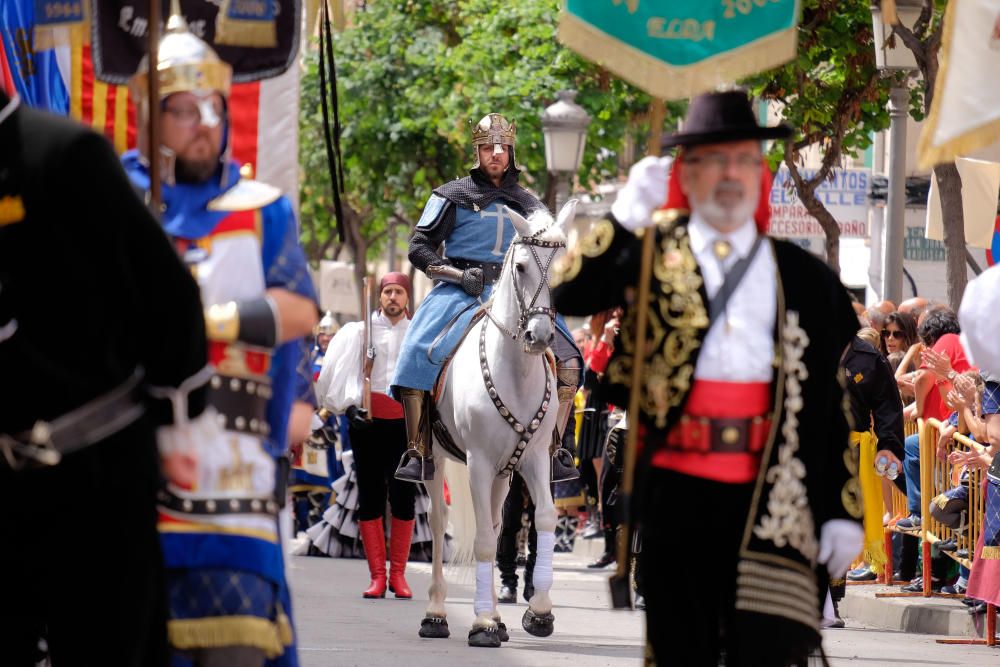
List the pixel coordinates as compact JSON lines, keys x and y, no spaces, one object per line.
{"x":339,"y":385}
{"x":739,"y":346}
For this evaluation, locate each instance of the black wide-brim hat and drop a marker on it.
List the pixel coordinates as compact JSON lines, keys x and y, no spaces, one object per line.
{"x":715,"y":118}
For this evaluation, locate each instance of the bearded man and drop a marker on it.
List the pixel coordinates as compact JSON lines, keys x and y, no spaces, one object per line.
{"x":378,"y":439}
{"x":226,"y":476}
{"x":741,"y":406}
{"x":466,"y":216}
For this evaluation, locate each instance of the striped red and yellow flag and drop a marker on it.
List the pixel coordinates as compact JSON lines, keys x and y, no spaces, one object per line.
{"x":105,"y":107}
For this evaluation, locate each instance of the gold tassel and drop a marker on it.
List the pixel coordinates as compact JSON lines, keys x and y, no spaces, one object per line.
{"x":285,"y":633}
{"x":220,"y":631}
{"x":871,"y":496}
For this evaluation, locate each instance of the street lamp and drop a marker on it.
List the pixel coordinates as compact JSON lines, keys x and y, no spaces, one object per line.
{"x":891,"y":57}
{"x":564,"y":125}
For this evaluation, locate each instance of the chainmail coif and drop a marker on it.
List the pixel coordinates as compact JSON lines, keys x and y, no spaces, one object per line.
{"x":476,"y":192}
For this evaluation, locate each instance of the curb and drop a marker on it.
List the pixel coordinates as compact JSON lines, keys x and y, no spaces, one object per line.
{"x":933,"y":616}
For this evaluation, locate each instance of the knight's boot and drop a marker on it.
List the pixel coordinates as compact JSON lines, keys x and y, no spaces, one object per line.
{"x":417,"y":464}
{"x":563,"y":466}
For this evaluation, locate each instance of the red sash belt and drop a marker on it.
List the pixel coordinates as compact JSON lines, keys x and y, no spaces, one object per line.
{"x":722,"y":432}
{"x":383,"y":407}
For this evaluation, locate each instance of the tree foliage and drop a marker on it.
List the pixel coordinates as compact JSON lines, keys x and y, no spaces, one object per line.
{"x":412,"y":79}
{"x":832,"y":96}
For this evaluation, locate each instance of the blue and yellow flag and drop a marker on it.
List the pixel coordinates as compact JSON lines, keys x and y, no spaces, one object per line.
{"x":30,"y":72}
{"x":678,"y":49}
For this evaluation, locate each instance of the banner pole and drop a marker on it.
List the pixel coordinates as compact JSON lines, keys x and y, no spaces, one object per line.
{"x":620,"y":594}
{"x":153,"y":78}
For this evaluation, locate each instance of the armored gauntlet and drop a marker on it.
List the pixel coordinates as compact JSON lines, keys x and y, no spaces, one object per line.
{"x":471,"y":280}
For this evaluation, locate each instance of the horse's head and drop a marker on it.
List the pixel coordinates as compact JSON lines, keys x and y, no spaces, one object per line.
{"x":539,"y":239}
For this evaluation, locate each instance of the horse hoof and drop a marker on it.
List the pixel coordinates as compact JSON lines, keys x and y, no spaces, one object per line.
{"x":538,"y":625}
{"x":502,"y":632}
{"x":485,"y":637}
{"x":434,"y":627}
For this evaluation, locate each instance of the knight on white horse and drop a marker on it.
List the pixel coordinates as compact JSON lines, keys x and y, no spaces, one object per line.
{"x":468,"y":217}
{"x":494,"y":412}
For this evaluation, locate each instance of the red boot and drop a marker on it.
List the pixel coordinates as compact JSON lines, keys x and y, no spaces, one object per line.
{"x":373,"y":538}
{"x":399,"y":553}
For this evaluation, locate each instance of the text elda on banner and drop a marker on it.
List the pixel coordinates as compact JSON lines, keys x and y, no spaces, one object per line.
{"x":681,"y":48}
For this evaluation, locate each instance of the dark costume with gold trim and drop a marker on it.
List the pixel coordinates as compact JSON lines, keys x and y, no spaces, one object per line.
{"x":807,"y":475}
{"x":90,"y":290}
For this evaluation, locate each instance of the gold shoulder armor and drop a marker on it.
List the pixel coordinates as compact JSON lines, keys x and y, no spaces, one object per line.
{"x":247,"y":195}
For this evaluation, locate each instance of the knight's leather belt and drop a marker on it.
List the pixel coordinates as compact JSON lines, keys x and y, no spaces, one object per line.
{"x":491,"y":270}
{"x":241,"y":403}
{"x":216,"y":506}
{"x":720,"y":435}
{"x":47,"y":442}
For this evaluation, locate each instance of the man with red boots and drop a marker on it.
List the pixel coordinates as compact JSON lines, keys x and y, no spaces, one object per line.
{"x":378,"y":439}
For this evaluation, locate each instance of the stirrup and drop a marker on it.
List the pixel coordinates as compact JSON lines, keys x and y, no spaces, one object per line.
{"x":415,"y":468}
{"x":563,"y":468}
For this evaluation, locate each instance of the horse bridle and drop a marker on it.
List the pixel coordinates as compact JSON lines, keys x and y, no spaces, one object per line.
{"x":527,"y":310}
{"x":524,"y":431}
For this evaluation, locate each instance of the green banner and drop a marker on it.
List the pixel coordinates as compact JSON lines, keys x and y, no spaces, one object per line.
{"x":678,"y":48}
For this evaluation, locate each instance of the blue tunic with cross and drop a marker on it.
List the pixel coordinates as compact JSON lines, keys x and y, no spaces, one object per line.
{"x":479,"y":236}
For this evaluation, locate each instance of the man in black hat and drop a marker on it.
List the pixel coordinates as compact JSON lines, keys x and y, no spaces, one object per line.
{"x":742,"y":407}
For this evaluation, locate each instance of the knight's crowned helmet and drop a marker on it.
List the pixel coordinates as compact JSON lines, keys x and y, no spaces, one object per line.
{"x":497,"y":131}
{"x":185,"y":63}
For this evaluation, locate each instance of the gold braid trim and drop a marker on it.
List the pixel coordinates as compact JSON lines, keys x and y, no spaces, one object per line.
{"x":778,"y":591}
{"x":677,"y":317}
{"x":983,"y":134}
{"x":788,"y":520}
{"x":221,"y":631}
{"x":990,"y":553}
{"x":593,"y":244}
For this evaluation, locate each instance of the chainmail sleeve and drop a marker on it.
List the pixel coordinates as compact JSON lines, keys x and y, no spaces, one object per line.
{"x":424,"y":243}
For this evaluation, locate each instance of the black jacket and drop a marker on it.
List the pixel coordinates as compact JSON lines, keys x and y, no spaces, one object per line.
{"x":87,"y":277}
{"x":874,"y":395}
{"x":808,"y":473}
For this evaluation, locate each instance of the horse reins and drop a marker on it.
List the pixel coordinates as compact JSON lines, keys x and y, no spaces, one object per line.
{"x":526,"y":311}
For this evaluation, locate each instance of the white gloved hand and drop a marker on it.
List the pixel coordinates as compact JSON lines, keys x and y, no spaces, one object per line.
{"x":644,"y":192}
{"x":840,"y":542}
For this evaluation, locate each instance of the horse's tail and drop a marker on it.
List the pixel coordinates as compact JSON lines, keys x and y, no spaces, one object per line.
{"x":463,"y":518}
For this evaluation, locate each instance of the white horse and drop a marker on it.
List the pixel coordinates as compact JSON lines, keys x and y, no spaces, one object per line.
{"x":498,"y":402}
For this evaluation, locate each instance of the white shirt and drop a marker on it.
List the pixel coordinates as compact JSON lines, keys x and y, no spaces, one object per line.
{"x":743,"y":351}
{"x":339,"y":385}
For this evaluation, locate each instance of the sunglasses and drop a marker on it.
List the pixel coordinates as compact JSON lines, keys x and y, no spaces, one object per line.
{"x":892,"y":334}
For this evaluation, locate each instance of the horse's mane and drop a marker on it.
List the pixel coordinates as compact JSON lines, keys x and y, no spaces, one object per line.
{"x":543,"y":227}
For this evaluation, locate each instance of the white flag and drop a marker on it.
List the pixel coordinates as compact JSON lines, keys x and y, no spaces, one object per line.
{"x":965,"y":112}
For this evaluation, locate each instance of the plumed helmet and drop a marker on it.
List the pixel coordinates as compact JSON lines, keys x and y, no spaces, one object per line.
{"x":185,"y":63}
{"x":496,"y":130}
{"x":328,"y":325}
